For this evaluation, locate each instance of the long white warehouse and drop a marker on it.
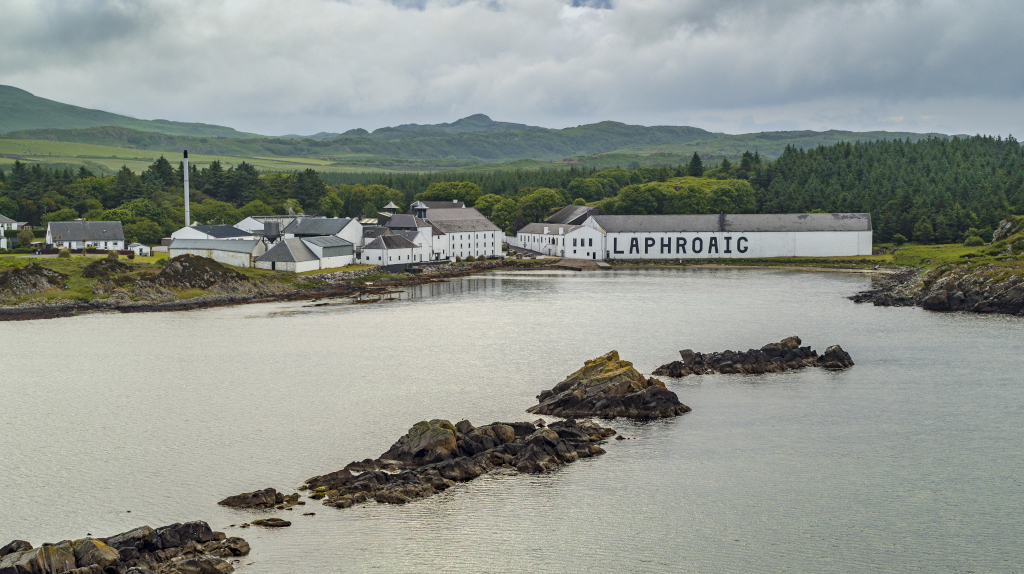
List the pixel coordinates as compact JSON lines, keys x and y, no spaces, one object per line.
{"x":704,"y":236}
{"x":733,"y":236}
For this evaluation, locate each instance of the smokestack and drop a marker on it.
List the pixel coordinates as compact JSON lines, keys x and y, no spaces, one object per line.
{"x":188,"y":221}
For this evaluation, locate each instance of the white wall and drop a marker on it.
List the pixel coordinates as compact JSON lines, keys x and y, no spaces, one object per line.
{"x":353,"y":233}
{"x":225,"y":257}
{"x":719,"y":245}
{"x":339,"y":261}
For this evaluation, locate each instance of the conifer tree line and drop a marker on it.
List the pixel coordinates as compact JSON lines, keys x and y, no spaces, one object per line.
{"x":932,"y":190}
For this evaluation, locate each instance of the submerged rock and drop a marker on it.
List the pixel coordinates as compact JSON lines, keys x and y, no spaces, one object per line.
{"x":272,"y":522}
{"x":174,"y":549}
{"x":435,"y":455}
{"x":266,"y":498}
{"x":771,"y":358}
{"x":607,"y":387}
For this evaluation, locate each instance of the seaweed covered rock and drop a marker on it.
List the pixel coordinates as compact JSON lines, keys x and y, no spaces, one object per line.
{"x":456,"y":453}
{"x":30,"y":280}
{"x":608,"y":387}
{"x":785,"y":355}
{"x":193,"y":272}
{"x":174,"y":549}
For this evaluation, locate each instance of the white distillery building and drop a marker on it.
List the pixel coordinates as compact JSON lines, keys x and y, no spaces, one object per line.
{"x":81,"y":234}
{"x":344,"y":227}
{"x":732,"y":236}
{"x":572,"y":241}
{"x":211,"y":232}
{"x":300,"y":254}
{"x":389,"y":250}
{"x":237,"y":252}
{"x":460,"y":231}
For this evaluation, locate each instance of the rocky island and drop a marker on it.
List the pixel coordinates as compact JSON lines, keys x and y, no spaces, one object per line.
{"x":435,"y":455}
{"x":785,"y":355}
{"x":189,"y":548}
{"x":608,"y":387}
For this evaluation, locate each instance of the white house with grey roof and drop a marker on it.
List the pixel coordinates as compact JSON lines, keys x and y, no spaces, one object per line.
{"x":255,"y":224}
{"x":82,"y":234}
{"x":732,"y":236}
{"x":389,"y":250}
{"x":301,"y":254}
{"x":561,"y":240}
{"x":344,"y":227}
{"x":237,"y":252}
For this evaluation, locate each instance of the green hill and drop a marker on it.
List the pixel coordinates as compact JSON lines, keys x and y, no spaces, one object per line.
{"x":20,"y":110}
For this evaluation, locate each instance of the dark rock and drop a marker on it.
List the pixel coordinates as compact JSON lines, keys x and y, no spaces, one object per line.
{"x":30,"y":280}
{"x":771,"y":358}
{"x":835,"y":358}
{"x":138,"y":570}
{"x":423,"y":471}
{"x":266,"y":498}
{"x":272,"y":522}
{"x":205,"y":565}
{"x":133,"y":538}
{"x":193,"y":272}
{"x":15,"y":546}
{"x":607,"y":387}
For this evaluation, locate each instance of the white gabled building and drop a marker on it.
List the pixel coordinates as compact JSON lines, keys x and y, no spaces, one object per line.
{"x":344,"y":227}
{"x":254,"y":224}
{"x":332,"y":251}
{"x":389,"y":250}
{"x":561,"y":240}
{"x":460,"y":232}
{"x":732,"y":236}
{"x":211,"y":232}
{"x":140,"y":249}
{"x":300,"y":254}
{"x":81,"y":234}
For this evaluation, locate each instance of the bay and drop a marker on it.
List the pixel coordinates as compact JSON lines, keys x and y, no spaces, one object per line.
{"x":909,"y":461}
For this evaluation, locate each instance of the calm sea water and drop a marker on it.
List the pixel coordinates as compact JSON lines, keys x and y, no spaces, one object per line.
{"x":911,"y":461}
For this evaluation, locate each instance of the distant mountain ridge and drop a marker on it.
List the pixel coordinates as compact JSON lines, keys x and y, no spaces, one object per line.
{"x":21,"y":110}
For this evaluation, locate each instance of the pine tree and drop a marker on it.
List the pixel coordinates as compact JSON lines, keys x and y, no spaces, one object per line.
{"x":696,"y":167}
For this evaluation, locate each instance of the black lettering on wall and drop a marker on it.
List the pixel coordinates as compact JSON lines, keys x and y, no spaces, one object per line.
{"x":666,"y":243}
{"x":739,"y":247}
{"x":713,"y":244}
{"x":634,"y":244}
{"x":727,"y":240}
{"x":648,"y":243}
{"x":697,"y":244}
{"x":680,"y":245}
{"x":615,"y":245}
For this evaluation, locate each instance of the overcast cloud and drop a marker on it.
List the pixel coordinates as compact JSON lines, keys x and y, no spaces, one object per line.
{"x":304,"y":66}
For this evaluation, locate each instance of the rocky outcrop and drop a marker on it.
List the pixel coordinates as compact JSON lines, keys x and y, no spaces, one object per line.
{"x":29,"y":280}
{"x":607,"y":387}
{"x":190,"y":548}
{"x":771,"y":358}
{"x":435,"y":455}
{"x":266,"y":498}
{"x":193,"y":272}
{"x":988,"y":288}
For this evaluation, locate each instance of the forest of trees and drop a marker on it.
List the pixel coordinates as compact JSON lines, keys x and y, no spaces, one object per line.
{"x":933,"y":190}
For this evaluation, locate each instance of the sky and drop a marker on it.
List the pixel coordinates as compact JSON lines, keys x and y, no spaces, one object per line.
{"x":734,"y":66}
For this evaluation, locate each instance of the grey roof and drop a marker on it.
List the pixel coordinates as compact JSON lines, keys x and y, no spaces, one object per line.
{"x":391,"y":205}
{"x":374,"y":231}
{"x":552,"y":228}
{"x":450,"y":214}
{"x":460,"y":225}
{"x":410,"y":234}
{"x":135,"y":245}
{"x":86,"y":230}
{"x":573,"y":214}
{"x":327,"y":241}
{"x":444,"y":204}
{"x":233,"y":246}
{"x":289,"y":250}
{"x":391,"y":242}
{"x":316,"y":226}
{"x":222,"y":231}
{"x":5,"y":219}
{"x":780,"y":222}
{"x":405,"y":221}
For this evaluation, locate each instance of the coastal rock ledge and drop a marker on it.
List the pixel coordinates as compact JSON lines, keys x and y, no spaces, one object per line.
{"x":435,"y":455}
{"x":607,"y":387}
{"x":785,"y":355}
{"x":190,"y":548}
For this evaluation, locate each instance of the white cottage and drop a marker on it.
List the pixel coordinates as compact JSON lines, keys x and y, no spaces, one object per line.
{"x":139,"y":249}
{"x":388,"y":250}
{"x":81,"y":234}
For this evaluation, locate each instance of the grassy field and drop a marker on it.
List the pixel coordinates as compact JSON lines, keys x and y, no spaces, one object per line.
{"x":108,"y":159}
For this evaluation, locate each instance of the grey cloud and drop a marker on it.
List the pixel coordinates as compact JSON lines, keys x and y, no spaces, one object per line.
{"x":312,"y":65}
